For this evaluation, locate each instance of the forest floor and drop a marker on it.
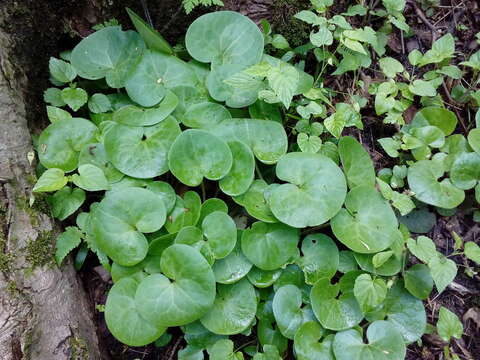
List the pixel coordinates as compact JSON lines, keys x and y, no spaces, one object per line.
{"x":458,"y":17}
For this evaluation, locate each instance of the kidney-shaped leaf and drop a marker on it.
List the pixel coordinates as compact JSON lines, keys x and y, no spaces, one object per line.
{"x":234,"y":309}
{"x":423,"y":180}
{"x":288,"y":310}
{"x":465,"y":171}
{"x":123,"y":319}
{"x":60,"y":143}
{"x":315,"y":192}
{"x":225,"y":37}
{"x":110,"y":53}
{"x":270,"y":246}
{"x":185,"y":291}
{"x":221,"y":233}
{"x":233,"y":267}
{"x":307,"y":343}
{"x":334,"y":313}
{"x":368,"y":224}
{"x":383,"y":343}
{"x":266,"y":138}
{"x":141,"y":152}
{"x":241,"y":175}
{"x":120,"y":219}
{"x":155,"y":73}
{"x":196,"y":154}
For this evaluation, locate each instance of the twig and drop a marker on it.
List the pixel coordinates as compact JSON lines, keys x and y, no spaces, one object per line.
{"x":147,"y":13}
{"x":174,"y":348}
{"x":447,"y":93}
{"x":424,"y":19}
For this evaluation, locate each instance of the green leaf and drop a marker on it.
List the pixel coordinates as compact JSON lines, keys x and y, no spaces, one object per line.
{"x":448,"y":325}
{"x":53,"y":96}
{"x":320,"y":258}
{"x":414,"y":57}
{"x":418,"y":281}
{"x":381,"y":258}
{"x":322,"y":37}
{"x":66,"y":242}
{"x":356,"y":162}
{"x":120,"y":219}
{"x":369,"y":292}
{"x":222,"y":350}
{"x":123,"y":318}
{"x":423,"y":180}
{"x":66,"y":201}
{"x":224,"y":37}
{"x":242,"y":172}
{"x":390,"y":66}
{"x":221,"y":232}
{"x":314,"y":194}
{"x":334,"y":313}
{"x":263,"y":278}
{"x":309,"y":143}
{"x":443,"y":271}
{"x":472,"y":251}
{"x":185,"y":213}
{"x":110,"y":53}
{"x":254,"y":202}
{"x":99,"y":103}
{"x":60,"y":143}
{"x":284,"y":80}
{"x":90,"y":178}
{"x":233,"y":310}
{"x":155,"y":73}
{"x":382,"y":344}
{"x":422,"y":88}
{"x":75,"y":98}
{"x":152,"y":38}
{"x":452,"y":71}
{"x":141,"y":152}
{"x":182,"y":294}
{"x":474,"y":139}
{"x":423,"y":248}
{"x":270,"y":246}
{"x":368,"y":224}
{"x":465,"y":171}
{"x":267,"y":139}
{"x":309,"y":17}
{"x":51,"y":180}
{"x":95,"y":154}
{"x":473,"y":61}
{"x":307,"y":343}
{"x":196,"y":154}
{"x":288,"y":311}
{"x":391,"y":146}
{"x":279,"y":42}
{"x":232,"y":268}
{"x":442,"y":49}
{"x":442,"y":118}
{"x":56,"y":114}
{"x":205,"y":115}
{"x":61,"y":70}
{"x":136,"y":116}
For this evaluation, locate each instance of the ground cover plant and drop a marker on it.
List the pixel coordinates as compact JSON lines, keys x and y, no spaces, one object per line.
{"x":218,"y":185}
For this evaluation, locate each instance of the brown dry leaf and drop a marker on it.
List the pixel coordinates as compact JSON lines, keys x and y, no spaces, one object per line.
{"x":474,"y":315}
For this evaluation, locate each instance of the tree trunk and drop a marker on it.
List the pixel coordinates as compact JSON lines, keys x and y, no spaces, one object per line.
{"x":44,"y":314}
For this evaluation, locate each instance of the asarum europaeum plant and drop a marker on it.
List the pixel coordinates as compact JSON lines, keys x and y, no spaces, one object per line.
{"x":322,"y":260}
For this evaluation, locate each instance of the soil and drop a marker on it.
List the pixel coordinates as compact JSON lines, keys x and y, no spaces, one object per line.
{"x":44,"y":28}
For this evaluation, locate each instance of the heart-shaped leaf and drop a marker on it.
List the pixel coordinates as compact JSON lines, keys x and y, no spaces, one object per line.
{"x":423,"y":180}
{"x":369,"y":292}
{"x":382,"y":344}
{"x":234,"y":309}
{"x":314,"y":194}
{"x":254,"y":202}
{"x":66,"y":201}
{"x":442,"y":118}
{"x":266,"y":138}
{"x":232,"y":268}
{"x":307,"y":343}
{"x":241,"y":175}
{"x":205,"y":115}
{"x":270,"y":246}
{"x":182,"y":294}
{"x":288,"y":310}
{"x":95,"y":154}
{"x":465,"y":171}
{"x":356,"y":162}
{"x":120,"y":219}
{"x":90,"y":178}
{"x":141,"y":151}
{"x":320,"y":258}
{"x":123,"y":318}
{"x":368,"y":224}
{"x":110,"y":53}
{"x":196,"y":154}
{"x":155,"y":73}
{"x":225,"y":37}
{"x":185,"y":213}
{"x":60,"y":143}
{"x":51,"y":180}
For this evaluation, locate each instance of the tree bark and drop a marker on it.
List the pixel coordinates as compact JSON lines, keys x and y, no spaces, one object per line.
{"x":44,"y":314}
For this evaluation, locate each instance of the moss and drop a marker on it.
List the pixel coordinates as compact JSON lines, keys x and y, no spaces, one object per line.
{"x":12,"y":288}
{"x":6,"y":258}
{"x":39,"y":206}
{"x":79,"y":349}
{"x":295,"y":31}
{"x":40,"y":252}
